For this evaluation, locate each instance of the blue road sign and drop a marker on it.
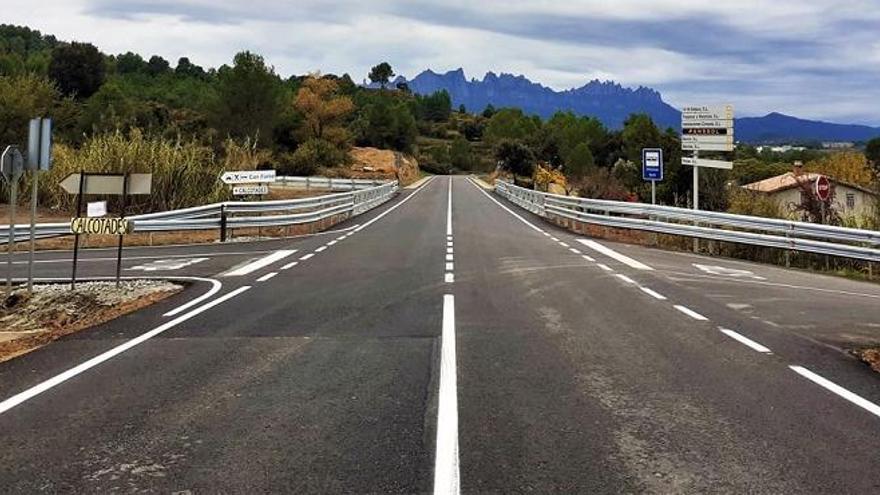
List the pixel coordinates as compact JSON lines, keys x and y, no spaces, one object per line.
{"x":652,"y":164}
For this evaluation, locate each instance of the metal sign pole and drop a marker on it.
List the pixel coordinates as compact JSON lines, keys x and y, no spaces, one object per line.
{"x":79,"y":200}
{"x":653,"y":192}
{"x":13,"y":198}
{"x":696,"y":196}
{"x":119,"y":248}
{"x":34,"y":197}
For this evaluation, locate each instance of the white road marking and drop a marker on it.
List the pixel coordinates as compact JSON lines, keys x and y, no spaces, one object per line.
{"x":389,"y":210}
{"x":837,"y":389}
{"x":215,"y":288}
{"x":554,"y":239}
{"x":584,"y":256}
{"x":446,"y":470}
{"x":449,"y":278}
{"x":449,"y":257}
{"x":742,"y":339}
{"x":290,"y":265}
{"x":626,"y":260}
{"x":449,"y":209}
{"x":545,"y":233}
{"x":727,"y":272}
{"x":341,"y":238}
{"x":604,"y":267}
{"x":693,"y":314}
{"x":267,"y":276}
{"x":449,"y":250}
{"x":260,"y":263}
{"x":318,"y":250}
{"x":573,"y":250}
{"x":653,"y":293}
{"x":508,"y":210}
{"x":449,"y":266}
{"x":449,"y":238}
{"x":625,"y":278}
{"x":95,"y":361}
{"x":303,"y":258}
{"x":564,"y":245}
{"x":167,"y":264}
{"x":331,"y":243}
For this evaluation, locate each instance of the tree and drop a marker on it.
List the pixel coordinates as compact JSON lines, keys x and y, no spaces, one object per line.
{"x":248,"y":101}
{"x":323,"y":110}
{"x":21,"y":99}
{"x":462,"y":109}
{"x":515,"y":157}
{"x":460,"y":154}
{"x":489,"y":111}
{"x":872,"y":153}
{"x":130,"y":63}
{"x":847,"y":166}
{"x":381,"y":74}
{"x":385,"y":124}
{"x":509,"y":123}
{"x":158,"y":66}
{"x":77,"y":68}
{"x":579,"y":161}
{"x":639,"y":132}
{"x":436,"y":107}
{"x":185,"y":68}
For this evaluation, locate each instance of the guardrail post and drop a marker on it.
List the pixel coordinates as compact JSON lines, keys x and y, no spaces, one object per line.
{"x":222,"y":223}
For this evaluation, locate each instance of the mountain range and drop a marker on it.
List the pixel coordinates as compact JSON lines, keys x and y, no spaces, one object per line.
{"x":612,"y":104}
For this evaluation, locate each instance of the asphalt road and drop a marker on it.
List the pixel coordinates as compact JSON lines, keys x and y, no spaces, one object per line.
{"x":449,"y":341}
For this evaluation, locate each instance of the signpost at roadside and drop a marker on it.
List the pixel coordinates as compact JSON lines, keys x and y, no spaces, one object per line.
{"x":705,"y":128}
{"x":112,"y":184}
{"x":12,"y":167}
{"x":248,"y":177}
{"x":39,"y":158}
{"x":822,"y":187}
{"x":652,"y":169}
{"x":257,"y":190}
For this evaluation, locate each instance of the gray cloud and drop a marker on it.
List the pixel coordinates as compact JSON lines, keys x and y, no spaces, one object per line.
{"x":816,"y":59}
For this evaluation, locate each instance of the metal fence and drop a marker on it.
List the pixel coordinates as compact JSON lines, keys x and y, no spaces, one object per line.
{"x":756,"y":231}
{"x":327,"y":183}
{"x":236,"y":214}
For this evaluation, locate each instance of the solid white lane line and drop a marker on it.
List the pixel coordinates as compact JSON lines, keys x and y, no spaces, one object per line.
{"x":260,"y":263}
{"x":449,"y":277}
{"x":604,"y":267}
{"x":267,"y":276}
{"x":653,"y":293}
{"x":584,"y":256}
{"x":742,"y":339}
{"x":215,"y":288}
{"x":508,"y":210}
{"x":626,"y":260}
{"x":449,"y":257}
{"x":290,"y":265}
{"x":625,"y":278}
{"x":693,"y":314}
{"x":389,"y":210}
{"x":318,"y":250}
{"x":446,"y":471}
{"x":449,"y":209}
{"x":573,"y":250}
{"x":303,"y":258}
{"x":95,"y":361}
{"x":837,"y":389}
{"x":449,"y":267}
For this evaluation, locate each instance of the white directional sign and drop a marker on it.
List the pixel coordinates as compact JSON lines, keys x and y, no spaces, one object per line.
{"x":113,"y":184}
{"x":696,"y":113}
{"x":261,"y":189}
{"x":248,"y":177}
{"x":702,"y":162}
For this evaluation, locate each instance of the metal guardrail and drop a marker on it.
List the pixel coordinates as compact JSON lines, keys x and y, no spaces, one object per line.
{"x":236,"y":214}
{"x":743,"y":229}
{"x":327,"y":183}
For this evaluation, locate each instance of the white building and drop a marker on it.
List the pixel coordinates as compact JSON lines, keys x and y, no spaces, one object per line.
{"x":849,"y":200}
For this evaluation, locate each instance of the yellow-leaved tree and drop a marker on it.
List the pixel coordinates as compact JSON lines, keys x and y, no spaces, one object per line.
{"x":847,"y":166}
{"x":324,"y":110}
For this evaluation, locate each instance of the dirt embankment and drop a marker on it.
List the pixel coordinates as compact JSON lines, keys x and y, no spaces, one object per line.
{"x":373,"y":163}
{"x":29,"y":321}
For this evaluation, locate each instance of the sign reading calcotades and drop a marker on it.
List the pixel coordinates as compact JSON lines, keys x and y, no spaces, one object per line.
{"x":100,"y":226}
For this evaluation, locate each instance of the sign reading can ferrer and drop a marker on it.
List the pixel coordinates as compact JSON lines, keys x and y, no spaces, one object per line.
{"x":100,"y":226}
{"x":248,"y":177}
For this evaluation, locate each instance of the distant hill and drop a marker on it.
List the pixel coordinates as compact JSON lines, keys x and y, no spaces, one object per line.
{"x":612,"y":104}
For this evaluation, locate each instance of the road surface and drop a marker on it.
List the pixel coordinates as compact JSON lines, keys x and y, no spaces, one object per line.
{"x":449,"y":341}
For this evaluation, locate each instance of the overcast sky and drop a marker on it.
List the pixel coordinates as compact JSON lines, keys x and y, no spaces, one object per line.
{"x":811,"y":58}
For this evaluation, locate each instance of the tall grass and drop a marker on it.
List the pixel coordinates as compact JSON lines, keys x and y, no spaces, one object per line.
{"x":185,"y":173}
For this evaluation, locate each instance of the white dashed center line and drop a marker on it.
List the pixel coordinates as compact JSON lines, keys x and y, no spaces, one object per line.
{"x":290,"y":265}
{"x":625,"y":278}
{"x":303,"y":258}
{"x":320,"y":249}
{"x":742,"y":339}
{"x":653,"y":293}
{"x":837,"y":389}
{"x":693,"y":314}
{"x":267,"y":276}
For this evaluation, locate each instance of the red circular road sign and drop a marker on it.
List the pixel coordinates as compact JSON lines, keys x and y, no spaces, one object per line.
{"x":823,"y":188}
